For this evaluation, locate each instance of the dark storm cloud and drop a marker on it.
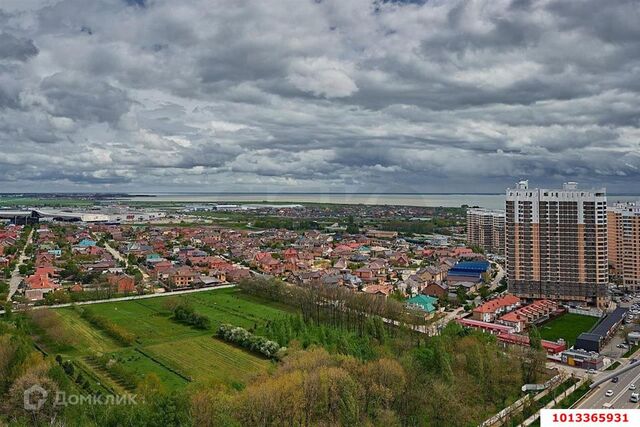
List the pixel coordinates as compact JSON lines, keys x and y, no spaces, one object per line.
{"x":81,"y":97}
{"x":370,"y":95}
{"x":19,"y":49}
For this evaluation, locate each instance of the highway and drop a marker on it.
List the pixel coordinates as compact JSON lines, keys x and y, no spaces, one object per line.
{"x":621,"y":392}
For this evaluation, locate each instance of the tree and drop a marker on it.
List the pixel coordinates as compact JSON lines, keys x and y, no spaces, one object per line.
{"x":535,"y":340}
{"x":484,"y":292}
{"x":30,"y":384}
{"x":461,"y":294}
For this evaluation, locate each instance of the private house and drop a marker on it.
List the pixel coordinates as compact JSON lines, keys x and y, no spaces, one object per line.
{"x":435,"y":289}
{"x":341,"y":264}
{"x":365,"y":274}
{"x":381,"y":290}
{"x":122,"y":283}
{"x":85,"y":243}
{"x":38,"y":285}
{"x":400,"y":258}
{"x":422,"y":302}
{"x":290,"y":254}
{"x":235,"y":274}
{"x":432,"y":274}
{"x":182,"y":277}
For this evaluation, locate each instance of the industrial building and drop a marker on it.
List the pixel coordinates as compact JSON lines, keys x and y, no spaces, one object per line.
{"x":33,"y":216}
{"x":598,"y":336}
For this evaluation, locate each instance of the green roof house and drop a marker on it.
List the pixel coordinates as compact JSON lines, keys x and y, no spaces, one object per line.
{"x":423,"y":302}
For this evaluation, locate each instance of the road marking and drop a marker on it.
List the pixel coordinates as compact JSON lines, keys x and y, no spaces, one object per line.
{"x":626,"y":389}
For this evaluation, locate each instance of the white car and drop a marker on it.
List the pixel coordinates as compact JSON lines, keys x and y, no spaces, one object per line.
{"x":609,"y":393}
{"x":632,"y":386}
{"x":592,"y":371}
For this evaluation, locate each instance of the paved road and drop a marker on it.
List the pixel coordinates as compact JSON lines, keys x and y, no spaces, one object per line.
{"x":496,"y":281}
{"x":621,"y":392}
{"x":133,"y":297}
{"x":117,"y":255}
{"x":16,"y":278}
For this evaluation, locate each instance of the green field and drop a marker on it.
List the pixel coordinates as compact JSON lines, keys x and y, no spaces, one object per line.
{"x":205,"y":358}
{"x":568,"y":326}
{"x":178,"y":354}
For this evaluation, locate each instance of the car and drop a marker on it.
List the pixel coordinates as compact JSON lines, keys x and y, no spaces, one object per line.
{"x":615,"y":379}
{"x":634,"y":398}
{"x":634,"y":360}
{"x":632,"y":386}
{"x":609,"y":393}
{"x":620,"y":346}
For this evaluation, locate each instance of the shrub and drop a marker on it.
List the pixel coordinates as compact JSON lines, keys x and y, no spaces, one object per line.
{"x":185,"y":314}
{"x":246,"y":339}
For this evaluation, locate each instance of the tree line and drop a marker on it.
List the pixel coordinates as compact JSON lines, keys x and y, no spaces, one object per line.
{"x":335,"y":306}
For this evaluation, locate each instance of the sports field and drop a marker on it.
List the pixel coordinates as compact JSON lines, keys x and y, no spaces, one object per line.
{"x":178,"y":354}
{"x":568,"y":326}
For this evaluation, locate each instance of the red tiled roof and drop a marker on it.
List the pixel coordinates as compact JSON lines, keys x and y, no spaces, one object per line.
{"x":493,"y":305}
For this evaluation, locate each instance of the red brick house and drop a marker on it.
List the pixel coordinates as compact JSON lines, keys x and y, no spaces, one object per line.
{"x":123,"y":283}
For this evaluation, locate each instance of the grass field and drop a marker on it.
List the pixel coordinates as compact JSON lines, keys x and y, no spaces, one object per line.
{"x":177,"y":353}
{"x":87,"y":336}
{"x":568,"y":326}
{"x":205,"y":358}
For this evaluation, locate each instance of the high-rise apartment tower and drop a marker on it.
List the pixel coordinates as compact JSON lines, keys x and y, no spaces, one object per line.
{"x":556,"y":243}
{"x":623,"y":224}
{"x":485,"y":228}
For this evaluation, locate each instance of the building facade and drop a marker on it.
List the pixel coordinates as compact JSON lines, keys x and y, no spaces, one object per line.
{"x":623,"y":225}
{"x":556,"y":243}
{"x":485,"y":228}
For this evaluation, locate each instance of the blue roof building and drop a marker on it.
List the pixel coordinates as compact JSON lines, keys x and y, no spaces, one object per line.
{"x":469,"y":269}
{"x":85,"y":243}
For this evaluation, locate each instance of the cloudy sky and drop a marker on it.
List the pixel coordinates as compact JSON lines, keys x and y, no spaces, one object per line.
{"x":324,"y":95}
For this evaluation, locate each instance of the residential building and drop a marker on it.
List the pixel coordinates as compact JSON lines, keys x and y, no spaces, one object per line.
{"x":522,"y":317}
{"x":623,"y":225}
{"x":485,"y":228}
{"x":423,"y":302}
{"x":122,"y":283}
{"x":490,"y":310}
{"x":182,"y":276}
{"x":556,"y":243}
